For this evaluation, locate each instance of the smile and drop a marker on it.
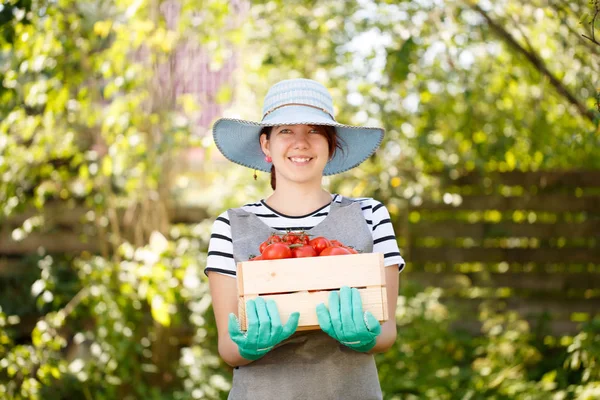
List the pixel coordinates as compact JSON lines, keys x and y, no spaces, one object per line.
{"x":299,"y":160}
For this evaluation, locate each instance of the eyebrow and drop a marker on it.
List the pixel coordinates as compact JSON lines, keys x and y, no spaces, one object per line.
{"x":281,"y":127}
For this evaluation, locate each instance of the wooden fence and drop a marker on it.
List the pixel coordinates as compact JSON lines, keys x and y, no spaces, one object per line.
{"x":526,"y":241}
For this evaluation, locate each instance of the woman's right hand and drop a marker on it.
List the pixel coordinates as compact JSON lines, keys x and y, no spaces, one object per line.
{"x":264,"y":328}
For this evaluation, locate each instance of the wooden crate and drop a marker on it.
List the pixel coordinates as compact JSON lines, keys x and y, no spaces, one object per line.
{"x":299,"y":284}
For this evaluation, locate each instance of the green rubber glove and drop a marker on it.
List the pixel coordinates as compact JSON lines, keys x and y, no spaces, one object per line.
{"x":264,"y":328}
{"x":346,"y":322}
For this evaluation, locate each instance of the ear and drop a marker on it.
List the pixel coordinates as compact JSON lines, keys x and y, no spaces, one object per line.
{"x":264,"y":144}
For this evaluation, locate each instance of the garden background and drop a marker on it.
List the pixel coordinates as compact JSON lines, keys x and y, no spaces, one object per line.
{"x":490,"y":169}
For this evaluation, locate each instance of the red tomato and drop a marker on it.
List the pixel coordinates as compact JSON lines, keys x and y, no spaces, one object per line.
{"x":319,"y":244}
{"x":274,"y":238}
{"x":257,"y":258}
{"x":351,"y":249}
{"x":334,"y":251}
{"x":305,"y":239}
{"x":291,"y":238}
{"x":276,"y":251}
{"x":304,"y":251}
{"x":263,"y":245}
{"x":336,"y":243}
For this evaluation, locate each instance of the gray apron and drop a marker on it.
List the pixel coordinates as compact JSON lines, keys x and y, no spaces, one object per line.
{"x":310,"y":364}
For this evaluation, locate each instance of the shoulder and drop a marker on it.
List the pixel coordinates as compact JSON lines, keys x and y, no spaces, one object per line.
{"x":248,"y":207}
{"x":223,"y":218}
{"x":366,"y":203}
{"x":374,"y":211}
{"x":252,"y":207}
{"x":221,"y":227}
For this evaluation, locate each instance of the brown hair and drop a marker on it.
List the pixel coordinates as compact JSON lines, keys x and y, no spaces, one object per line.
{"x":333,"y":140}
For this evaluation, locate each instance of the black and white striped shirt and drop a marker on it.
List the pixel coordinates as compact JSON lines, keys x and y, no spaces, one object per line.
{"x":220,"y":248}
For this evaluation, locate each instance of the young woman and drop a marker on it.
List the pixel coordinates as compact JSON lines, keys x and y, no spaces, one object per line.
{"x":299,"y":141}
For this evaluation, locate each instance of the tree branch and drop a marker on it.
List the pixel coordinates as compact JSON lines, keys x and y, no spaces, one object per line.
{"x":563,"y":13}
{"x":537,"y":62}
{"x":591,"y":39}
{"x":593,"y":24}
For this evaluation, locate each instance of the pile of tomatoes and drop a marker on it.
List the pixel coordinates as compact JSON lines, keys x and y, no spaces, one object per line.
{"x":299,"y":244}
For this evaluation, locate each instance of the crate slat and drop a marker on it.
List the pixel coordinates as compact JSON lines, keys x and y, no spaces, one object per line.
{"x":301,"y":284}
{"x":305,"y":303}
{"x":292,"y":275}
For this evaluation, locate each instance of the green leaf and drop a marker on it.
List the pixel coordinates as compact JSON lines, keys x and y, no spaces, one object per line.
{"x":224,"y":94}
{"x":160,"y":311}
{"x":107,"y":166}
{"x":399,"y":61}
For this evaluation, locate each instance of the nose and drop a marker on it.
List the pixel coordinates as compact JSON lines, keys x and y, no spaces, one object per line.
{"x":301,"y":140}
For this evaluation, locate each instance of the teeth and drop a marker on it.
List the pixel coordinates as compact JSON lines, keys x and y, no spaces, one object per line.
{"x":300,"y":159}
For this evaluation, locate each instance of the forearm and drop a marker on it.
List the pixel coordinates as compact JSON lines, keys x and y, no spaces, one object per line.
{"x":386,"y":339}
{"x":229,"y":352}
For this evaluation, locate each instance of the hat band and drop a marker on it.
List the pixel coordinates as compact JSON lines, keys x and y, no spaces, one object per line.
{"x":297,"y":104}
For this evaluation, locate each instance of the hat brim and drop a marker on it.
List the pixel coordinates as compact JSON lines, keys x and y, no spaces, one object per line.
{"x":238,"y":140}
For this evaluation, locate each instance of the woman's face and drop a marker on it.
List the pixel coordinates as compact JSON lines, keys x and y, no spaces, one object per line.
{"x":299,"y":152}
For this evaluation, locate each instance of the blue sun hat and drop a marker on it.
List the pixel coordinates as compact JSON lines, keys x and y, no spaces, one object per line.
{"x":295,"y":102}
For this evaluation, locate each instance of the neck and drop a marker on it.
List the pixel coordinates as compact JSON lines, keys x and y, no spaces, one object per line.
{"x":298,"y":199}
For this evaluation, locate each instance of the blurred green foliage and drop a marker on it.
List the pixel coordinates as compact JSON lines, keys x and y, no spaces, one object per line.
{"x":454,"y":92}
{"x":434,"y":360}
{"x":85,"y":121}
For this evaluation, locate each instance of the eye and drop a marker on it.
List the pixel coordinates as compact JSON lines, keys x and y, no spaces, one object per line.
{"x":285,"y":130}
{"x":315,"y":130}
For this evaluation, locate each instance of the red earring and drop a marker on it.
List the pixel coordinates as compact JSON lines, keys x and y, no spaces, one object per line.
{"x":268,"y":159}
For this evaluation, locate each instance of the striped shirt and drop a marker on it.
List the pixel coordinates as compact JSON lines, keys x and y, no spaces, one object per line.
{"x":220,"y":248}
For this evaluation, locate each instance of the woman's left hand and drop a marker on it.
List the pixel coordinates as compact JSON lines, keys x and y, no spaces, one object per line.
{"x":346,"y":322}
